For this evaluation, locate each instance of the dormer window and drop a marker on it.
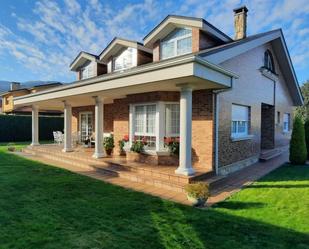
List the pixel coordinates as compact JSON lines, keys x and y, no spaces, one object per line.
{"x":86,"y":71}
{"x":269,"y":61}
{"x":178,"y":42}
{"x":126,"y":59}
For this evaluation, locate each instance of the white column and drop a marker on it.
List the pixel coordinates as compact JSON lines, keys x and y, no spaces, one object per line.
{"x":67,"y":127}
{"x":160,"y":125}
{"x":185,"y":163}
{"x":99,"y":118}
{"x":35,"y":126}
{"x":131,"y":125}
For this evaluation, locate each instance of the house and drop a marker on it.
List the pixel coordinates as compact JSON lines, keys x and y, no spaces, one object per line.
{"x":17,"y":90}
{"x":227,"y":100}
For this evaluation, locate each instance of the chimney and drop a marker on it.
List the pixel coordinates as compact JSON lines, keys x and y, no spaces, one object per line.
{"x":14,"y":86}
{"x":240,"y":22}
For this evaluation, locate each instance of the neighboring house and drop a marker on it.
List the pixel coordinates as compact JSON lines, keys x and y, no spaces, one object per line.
{"x":226,"y":99}
{"x":17,"y":90}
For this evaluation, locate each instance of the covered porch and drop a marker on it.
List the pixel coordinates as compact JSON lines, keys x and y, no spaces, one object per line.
{"x":138,"y":100}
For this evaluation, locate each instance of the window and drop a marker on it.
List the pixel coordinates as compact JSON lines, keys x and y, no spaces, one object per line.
{"x":286,"y":122}
{"x":172,"y":120}
{"x":269,"y":61}
{"x":145,"y":124}
{"x":124,"y":60}
{"x":278,"y":117}
{"x":177,"y":43}
{"x":240,"y":121}
{"x":86,"y":71}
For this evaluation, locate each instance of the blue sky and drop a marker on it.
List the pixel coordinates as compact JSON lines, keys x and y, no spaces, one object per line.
{"x":39,"y":39}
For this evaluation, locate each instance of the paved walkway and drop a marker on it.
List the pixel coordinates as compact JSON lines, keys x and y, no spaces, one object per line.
{"x":222,"y":189}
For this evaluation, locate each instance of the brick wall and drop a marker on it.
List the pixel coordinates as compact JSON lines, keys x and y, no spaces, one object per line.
{"x":116,"y":119}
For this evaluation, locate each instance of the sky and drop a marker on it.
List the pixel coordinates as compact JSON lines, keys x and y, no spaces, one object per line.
{"x":39,"y":39}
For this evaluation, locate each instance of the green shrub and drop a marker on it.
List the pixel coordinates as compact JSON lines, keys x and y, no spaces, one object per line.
{"x":109,"y":142}
{"x":307,"y":136}
{"x":298,"y":151}
{"x":138,"y":146}
{"x":198,"y":190}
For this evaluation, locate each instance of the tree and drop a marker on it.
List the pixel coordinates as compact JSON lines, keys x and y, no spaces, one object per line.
{"x":307,"y":136}
{"x":303,"y":111}
{"x":298,"y":150}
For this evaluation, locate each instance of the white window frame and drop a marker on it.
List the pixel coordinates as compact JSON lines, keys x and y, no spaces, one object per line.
{"x":175,"y":40}
{"x":165,"y":123}
{"x":247,"y":122}
{"x":286,"y":129}
{"x":134,"y":60}
{"x":87,"y":70}
{"x":160,"y":125}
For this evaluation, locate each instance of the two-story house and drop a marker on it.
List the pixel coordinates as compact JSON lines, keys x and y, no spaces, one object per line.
{"x":17,"y":90}
{"x":227,"y":100}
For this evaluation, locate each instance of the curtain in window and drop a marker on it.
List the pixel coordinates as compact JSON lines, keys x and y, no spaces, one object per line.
{"x":172,"y":119}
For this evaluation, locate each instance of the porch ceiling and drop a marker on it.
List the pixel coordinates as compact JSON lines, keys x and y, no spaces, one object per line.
{"x":162,"y":76}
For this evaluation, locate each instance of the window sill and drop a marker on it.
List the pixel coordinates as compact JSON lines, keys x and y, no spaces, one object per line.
{"x":268,"y":74}
{"x":248,"y":137}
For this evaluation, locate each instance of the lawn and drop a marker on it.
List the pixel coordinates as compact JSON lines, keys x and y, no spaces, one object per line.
{"x":45,"y":207}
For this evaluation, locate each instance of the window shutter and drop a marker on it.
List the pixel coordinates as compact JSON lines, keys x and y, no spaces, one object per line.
{"x":240,"y":113}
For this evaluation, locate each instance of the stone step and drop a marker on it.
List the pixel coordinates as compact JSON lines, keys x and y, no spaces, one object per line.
{"x":156,"y":179}
{"x":115,"y":165}
{"x":267,"y":155}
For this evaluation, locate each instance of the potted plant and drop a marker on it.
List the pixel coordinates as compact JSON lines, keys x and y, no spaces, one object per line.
{"x":109,"y":144}
{"x":138,"y":146}
{"x":173,"y":145}
{"x":197,"y":193}
{"x":121,"y":144}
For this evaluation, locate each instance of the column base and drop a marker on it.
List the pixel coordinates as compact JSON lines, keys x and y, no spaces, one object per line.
{"x":98,"y":155}
{"x":185,"y":171}
{"x":67,"y":150}
{"x":34,"y":144}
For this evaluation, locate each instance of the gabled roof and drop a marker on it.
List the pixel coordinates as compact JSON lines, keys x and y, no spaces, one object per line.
{"x":172,"y":21}
{"x":117,"y":44}
{"x":224,"y":52}
{"x":81,"y":58}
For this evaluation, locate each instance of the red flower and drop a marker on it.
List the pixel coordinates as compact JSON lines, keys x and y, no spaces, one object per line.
{"x":126,"y":138}
{"x":144,"y":140}
{"x":168,"y":140}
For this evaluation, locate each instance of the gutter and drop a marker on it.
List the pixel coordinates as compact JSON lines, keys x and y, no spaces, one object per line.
{"x":217,"y":107}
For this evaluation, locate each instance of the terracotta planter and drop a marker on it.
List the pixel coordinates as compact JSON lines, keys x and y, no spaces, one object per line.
{"x":196,"y":202}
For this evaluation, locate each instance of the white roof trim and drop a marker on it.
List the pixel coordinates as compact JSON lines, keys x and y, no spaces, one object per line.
{"x":109,"y":50}
{"x":81,"y":59}
{"x":171,"y":22}
{"x":139,"y":75}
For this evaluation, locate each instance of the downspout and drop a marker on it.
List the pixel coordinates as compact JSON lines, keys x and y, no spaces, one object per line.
{"x":217,"y":107}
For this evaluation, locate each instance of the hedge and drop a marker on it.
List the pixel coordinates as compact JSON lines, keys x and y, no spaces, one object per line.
{"x":15,"y":128}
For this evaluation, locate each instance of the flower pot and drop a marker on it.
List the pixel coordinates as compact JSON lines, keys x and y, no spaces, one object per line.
{"x":196,"y":202}
{"x":108,"y":151}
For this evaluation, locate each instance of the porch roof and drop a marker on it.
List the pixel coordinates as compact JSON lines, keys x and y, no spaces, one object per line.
{"x":165,"y":75}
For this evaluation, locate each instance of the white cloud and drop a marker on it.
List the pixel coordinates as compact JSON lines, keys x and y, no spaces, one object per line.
{"x":60,"y":30}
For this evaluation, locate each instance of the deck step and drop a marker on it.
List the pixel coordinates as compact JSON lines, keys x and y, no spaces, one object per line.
{"x":121,"y":169}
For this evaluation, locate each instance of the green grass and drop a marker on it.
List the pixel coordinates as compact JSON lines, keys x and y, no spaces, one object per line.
{"x":46,"y":207}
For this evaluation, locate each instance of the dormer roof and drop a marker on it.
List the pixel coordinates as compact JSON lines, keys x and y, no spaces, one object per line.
{"x":81,"y":59}
{"x":173,"y":21}
{"x":117,"y":44}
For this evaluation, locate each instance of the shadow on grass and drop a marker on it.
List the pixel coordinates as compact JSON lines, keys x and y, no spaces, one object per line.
{"x":239,"y":205}
{"x":46,"y":207}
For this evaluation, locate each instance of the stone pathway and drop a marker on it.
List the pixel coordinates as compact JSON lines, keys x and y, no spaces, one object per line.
{"x":223,"y":189}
